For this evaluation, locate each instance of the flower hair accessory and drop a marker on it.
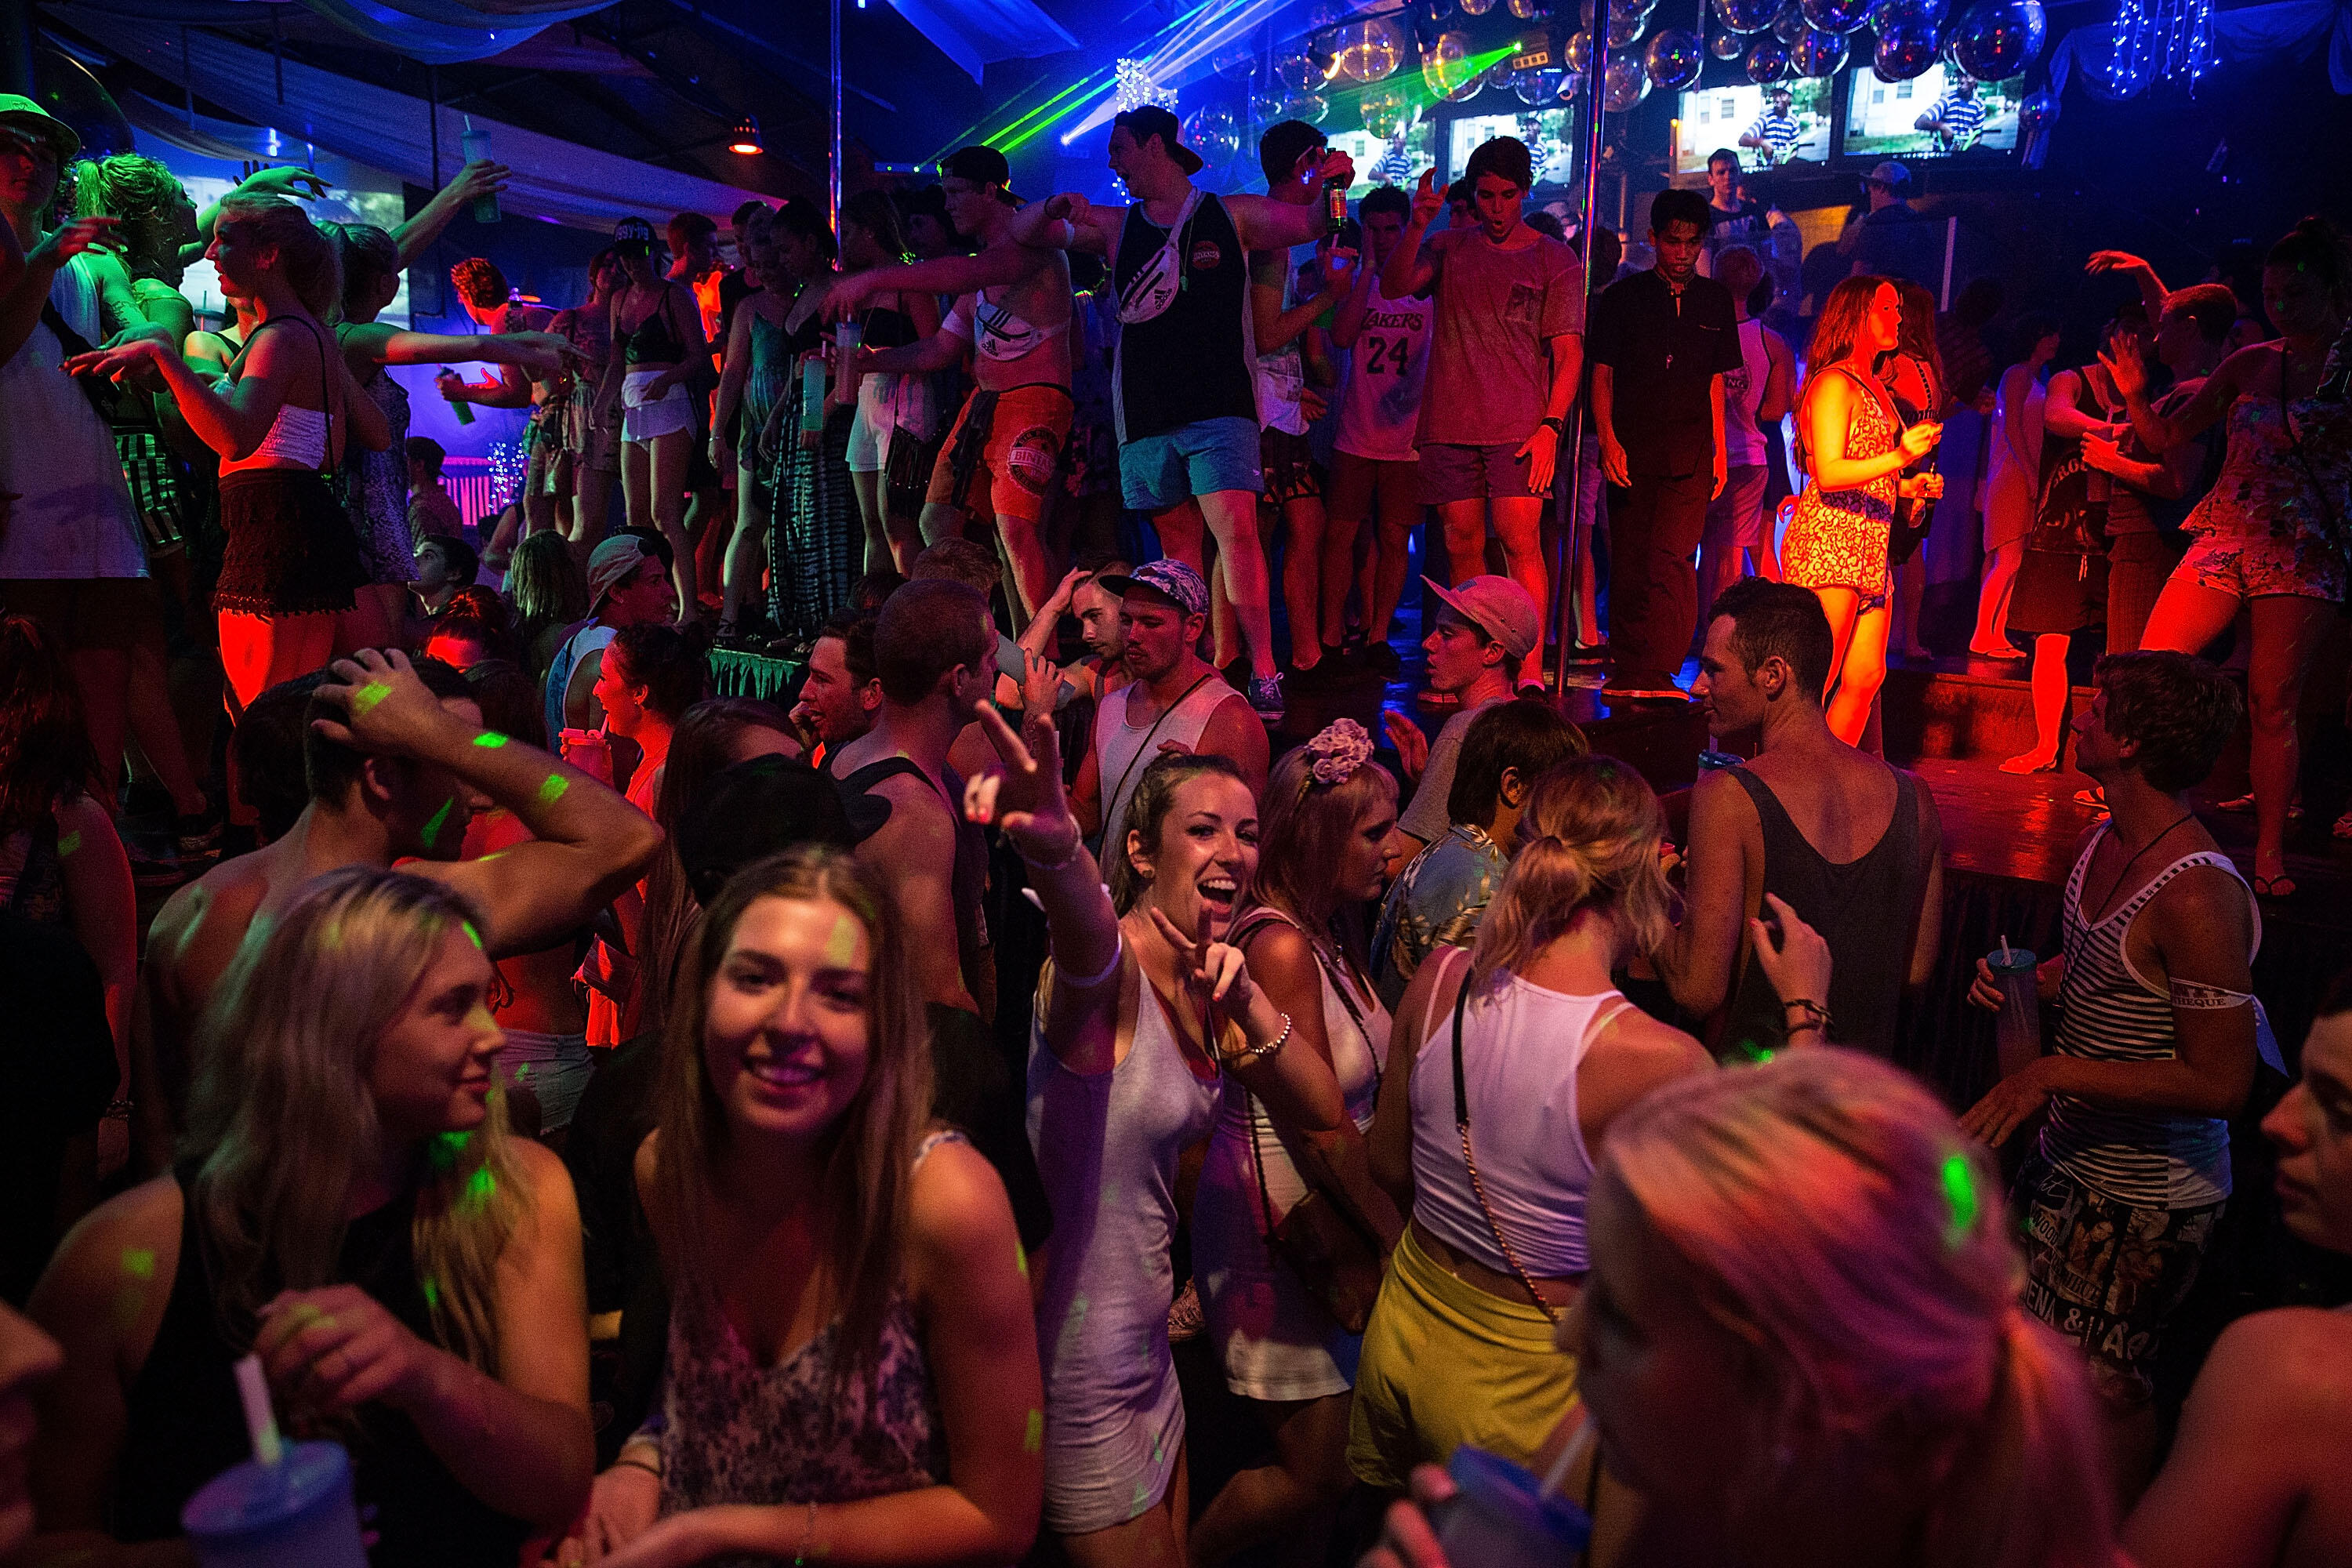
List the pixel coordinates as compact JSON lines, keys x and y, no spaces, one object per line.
{"x":1338,"y":751}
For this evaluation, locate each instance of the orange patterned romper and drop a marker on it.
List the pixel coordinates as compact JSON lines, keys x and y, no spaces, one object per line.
{"x":1838,"y":538}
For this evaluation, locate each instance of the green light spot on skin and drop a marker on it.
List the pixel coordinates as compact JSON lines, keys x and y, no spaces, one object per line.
{"x":1020,"y":1258}
{"x":490,"y":740}
{"x":552,"y":789}
{"x":445,"y":1150}
{"x":67,"y":842}
{"x":841,"y":947}
{"x":473,"y":935}
{"x":1035,"y":1438}
{"x":433,"y":827}
{"x":1961,"y":1196}
{"x":368,"y":696}
{"x":139,"y":1262}
{"x":522,"y":1072}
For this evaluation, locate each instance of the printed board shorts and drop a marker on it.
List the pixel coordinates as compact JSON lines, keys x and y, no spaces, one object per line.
{"x":1288,"y":462}
{"x":1001,"y":455}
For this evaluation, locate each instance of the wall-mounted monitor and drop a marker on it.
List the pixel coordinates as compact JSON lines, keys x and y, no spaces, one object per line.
{"x":1937,"y":114}
{"x":1387,"y":161}
{"x":1788,"y":120}
{"x":1549,"y":133}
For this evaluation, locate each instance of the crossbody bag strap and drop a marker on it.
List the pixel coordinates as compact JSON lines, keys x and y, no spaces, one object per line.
{"x":1470,"y":1162}
{"x":1144,"y":749}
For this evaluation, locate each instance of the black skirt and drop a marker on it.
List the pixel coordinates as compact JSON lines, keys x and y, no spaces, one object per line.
{"x":291,"y":551}
{"x":2058,"y":591}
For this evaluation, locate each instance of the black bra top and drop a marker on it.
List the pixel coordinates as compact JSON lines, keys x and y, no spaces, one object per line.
{"x":652,"y":341}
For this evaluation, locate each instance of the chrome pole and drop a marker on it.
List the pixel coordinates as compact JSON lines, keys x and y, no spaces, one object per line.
{"x":1572,"y":442}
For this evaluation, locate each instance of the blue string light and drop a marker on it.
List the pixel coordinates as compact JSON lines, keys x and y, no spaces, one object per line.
{"x":2164,"y":41}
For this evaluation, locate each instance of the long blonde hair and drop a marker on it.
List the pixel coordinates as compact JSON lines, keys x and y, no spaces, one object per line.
{"x":305,"y":255}
{"x":1830,"y":1215}
{"x":867,"y":1168}
{"x":1305,"y":825}
{"x":1588,"y":836}
{"x":282,"y":1122}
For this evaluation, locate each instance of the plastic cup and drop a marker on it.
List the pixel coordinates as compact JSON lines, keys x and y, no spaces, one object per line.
{"x":476,"y":145}
{"x":1501,"y":1520}
{"x":2018,"y":1026}
{"x":297,"y":1513}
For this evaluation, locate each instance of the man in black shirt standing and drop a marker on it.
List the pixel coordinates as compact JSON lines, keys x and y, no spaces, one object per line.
{"x":1661,"y":343}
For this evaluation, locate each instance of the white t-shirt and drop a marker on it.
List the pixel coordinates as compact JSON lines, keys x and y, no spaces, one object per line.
{"x":1743,"y":394}
{"x":1379,"y":408}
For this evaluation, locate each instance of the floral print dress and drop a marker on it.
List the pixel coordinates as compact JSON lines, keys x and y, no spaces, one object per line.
{"x":1838,"y":538}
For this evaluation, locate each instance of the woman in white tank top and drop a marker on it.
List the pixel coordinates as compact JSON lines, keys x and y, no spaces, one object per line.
{"x":1330,"y":810}
{"x":1488,"y":1142}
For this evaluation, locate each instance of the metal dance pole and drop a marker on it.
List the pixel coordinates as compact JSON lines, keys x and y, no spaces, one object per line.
{"x":833,"y":183}
{"x":1571,"y":444}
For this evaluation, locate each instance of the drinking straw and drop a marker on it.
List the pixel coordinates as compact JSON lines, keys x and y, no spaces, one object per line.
{"x":260,"y":1422}
{"x":1571,"y":1453}
{"x":2004,"y":949}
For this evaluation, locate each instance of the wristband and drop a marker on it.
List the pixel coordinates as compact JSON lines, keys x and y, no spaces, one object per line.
{"x":652,"y":1471}
{"x":1816,"y":1017}
{"x":1554,"y":423}
{"x":1077,"y":841}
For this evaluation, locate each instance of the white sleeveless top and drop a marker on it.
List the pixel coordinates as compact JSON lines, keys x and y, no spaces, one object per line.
{"x":1521,"y":1046}
{"x":1122,"y":751}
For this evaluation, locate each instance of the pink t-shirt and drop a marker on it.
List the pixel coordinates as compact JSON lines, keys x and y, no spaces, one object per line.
{"x":1498,"y":309}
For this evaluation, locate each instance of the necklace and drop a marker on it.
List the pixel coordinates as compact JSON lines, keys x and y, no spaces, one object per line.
{"x":2116,"y":886}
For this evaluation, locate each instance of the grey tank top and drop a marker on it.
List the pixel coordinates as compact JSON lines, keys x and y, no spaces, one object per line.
{"x":1122,"y":751}
{"x":1867,"y":909}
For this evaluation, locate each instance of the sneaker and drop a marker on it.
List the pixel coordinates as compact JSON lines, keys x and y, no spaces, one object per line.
{"x":1381,"y":660}
{"x":1265,"y":696}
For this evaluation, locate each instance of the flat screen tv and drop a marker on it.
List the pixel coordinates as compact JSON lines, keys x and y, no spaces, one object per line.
{"x":1939,"y":114}
{"x":1709,"y":118}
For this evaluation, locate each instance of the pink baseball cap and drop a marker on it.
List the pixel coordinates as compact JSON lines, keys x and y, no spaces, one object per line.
{"x":1498,"y":606}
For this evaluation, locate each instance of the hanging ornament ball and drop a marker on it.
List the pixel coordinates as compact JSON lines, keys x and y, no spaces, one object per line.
{"x":1840,"y":16}
{"x":1476,"y":7}
{"x":1674,"y":58}
{"x":1789,"y":23}
{"x":1726,"y":46}
{"x":2037,"y":112}
{"x":1234,"y":64}
{"x":1445,"y":64}
{"x":1747,"y":15}
{"x":1623,"y":84}
{"x":1324,"y":14}
{"x":1311,"y":107}
{"x":1818,"y":54}
{"x":1577,"y":53}
{"x":1369,"y":50}
{"x":1884,"y":12}
{"x":1768,"y":61}
{"x":1525,"y":10}
{"x":1211,"y":132}
{"x":1265,"y":108}
{"x":1906,"y":47}
{"x":1537,"y":85}
{"x":1295,"y":70}
{"x":1997,"y":41}
{"x":1634,"y":10}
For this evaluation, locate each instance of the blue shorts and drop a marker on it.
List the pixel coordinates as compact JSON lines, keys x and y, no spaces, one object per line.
{"x":1156,"y":472}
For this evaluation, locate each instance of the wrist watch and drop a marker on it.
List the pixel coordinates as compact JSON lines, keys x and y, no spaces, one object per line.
{"x":1555,"y":424}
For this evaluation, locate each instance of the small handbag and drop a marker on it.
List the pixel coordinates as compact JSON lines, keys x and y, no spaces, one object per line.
{"x":1321,"y":1240}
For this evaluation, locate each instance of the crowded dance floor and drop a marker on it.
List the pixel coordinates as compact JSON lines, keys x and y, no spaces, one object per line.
{"x":1302,"y":783}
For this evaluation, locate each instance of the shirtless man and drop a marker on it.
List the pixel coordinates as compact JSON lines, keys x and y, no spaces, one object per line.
{"x":1013,"y":311}
{"x":398,"y":762}
{"x":483,"y":291}
{"x":1853,"y":844}
{"x":1187,"y":382}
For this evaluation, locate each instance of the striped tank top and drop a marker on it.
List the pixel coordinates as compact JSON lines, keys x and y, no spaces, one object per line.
{"x":2111,"y":1012}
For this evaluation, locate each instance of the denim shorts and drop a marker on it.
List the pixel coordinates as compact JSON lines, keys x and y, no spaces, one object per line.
{"x":555,"y":1068}
{"x":1157,"y":472}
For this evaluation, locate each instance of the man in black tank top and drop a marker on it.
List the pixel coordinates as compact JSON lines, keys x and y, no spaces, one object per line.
{"x":1184,"y":387}
{"x":1852,"y":844}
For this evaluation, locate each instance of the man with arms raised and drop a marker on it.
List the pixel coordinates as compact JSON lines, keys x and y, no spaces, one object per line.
{"x":1508,"y":299}
{"x":1013,"y":314}
{"x":1853,"y":844}
{"x":1174,"y":699}
{"x":1186,"y":374}
{"x":398,"y":762}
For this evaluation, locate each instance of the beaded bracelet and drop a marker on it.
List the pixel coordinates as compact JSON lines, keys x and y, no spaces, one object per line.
{"x":1077,"y":841}
{"x":1258,"y":1053}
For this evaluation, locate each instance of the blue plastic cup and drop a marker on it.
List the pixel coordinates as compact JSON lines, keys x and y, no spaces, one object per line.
{"x":1501,"y":1519}
{"x":2017,"y":1027}
{"x":297,"y":1513}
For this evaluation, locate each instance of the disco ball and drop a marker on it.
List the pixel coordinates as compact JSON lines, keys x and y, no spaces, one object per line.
{"x":1637,"y":10}
{"x":2037,"y":112}
{"x":1906,"y":48}
{"x":1295,"y":70}
{"x":1234,"y":64}
{"x":1726,"y":46}
{"x":1884,"y":12}
{"x":1389,"y":110}
{"x":1840,"y":16}
{"x":1745,"y":15}
{"x":1539,"y":85}
{"x":1674,"y":58}
{"x":1211,"y":132}
{"x":1311,"y":107}
{"x":1525,"y":10}
{"x":1623,"y":30}
{"x":1789,"y":23}
{"x":1265,"y":108}
{"x":1445,"y":65}
{"x":1768,"y":61}
{"x":1368,"y":50}
{"x":1997,"y":41}
{"x":1623,"y":84}
{"x":1324,"y":14}
{"x":1476,"y":7}
{"x":1818,"y":54}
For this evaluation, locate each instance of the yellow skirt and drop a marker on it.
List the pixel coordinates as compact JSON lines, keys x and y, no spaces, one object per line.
{"x":1445,"y":1363}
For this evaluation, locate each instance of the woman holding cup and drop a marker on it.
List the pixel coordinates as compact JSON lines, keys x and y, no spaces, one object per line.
{"x":349,"y":1206}
{"x":1855,"y":449}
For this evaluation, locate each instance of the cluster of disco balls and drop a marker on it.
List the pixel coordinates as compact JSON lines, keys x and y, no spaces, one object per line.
{"x":1783,"y":38}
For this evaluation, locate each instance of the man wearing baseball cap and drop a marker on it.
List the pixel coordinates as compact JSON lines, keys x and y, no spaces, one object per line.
{"x":628,"y":584}
{"x":1174,"y":701}
{"x":1185,"y":378}
{"x":1893,"y":240}
{"x":1014,"y":313}
{"x":1485,"y":628}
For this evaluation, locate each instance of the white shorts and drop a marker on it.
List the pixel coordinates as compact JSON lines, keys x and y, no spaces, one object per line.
{"x":664,"y":416}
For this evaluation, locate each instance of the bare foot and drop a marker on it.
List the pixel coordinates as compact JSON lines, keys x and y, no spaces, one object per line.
{"x":2030,"y":762}
{"x":2006,"y":650}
